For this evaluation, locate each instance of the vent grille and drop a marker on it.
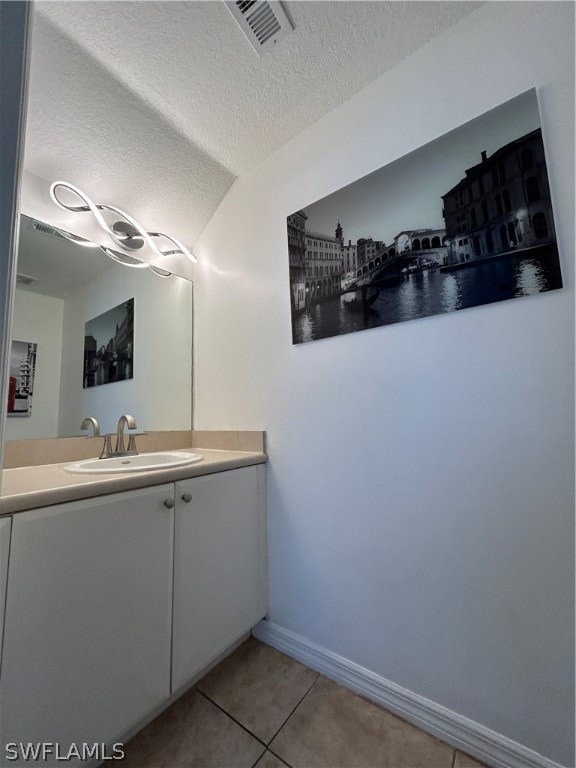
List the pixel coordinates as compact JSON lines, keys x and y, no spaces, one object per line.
{"x":264,"y":23}
{"x":25,"y":279}
{"x":48,"y":230}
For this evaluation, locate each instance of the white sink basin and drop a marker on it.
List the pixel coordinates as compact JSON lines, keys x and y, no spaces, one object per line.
{"x":144,"y":462}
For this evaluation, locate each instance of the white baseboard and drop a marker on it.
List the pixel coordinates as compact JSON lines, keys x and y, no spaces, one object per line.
{"x":460,"y":732}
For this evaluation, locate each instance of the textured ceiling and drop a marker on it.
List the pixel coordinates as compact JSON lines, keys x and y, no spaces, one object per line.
{"x":159,"y":106}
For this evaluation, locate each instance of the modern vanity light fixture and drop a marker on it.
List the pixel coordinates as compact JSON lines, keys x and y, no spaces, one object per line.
{"x":126,"y":233}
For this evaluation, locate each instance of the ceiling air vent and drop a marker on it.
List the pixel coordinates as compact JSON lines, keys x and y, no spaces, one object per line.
{"x":25,"y":279}
{"x":264,"y":23}
{"x":47,"y":230}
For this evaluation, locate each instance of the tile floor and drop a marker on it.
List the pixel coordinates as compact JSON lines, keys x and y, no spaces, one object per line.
{"x":261,"y":709}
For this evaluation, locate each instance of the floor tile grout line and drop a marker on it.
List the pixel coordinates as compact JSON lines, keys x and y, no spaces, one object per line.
{"x":275,"y":755}
{"x":294,"y":709}
{"x":453,"y":759}
{"x":279,"y":758}
{"x":258,"y":739}
{"x":265,"y":744}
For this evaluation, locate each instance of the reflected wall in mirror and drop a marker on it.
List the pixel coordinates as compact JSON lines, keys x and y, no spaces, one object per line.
{"x":60,"y":286}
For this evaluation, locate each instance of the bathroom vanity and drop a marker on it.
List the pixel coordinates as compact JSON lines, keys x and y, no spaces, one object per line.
{"x":117,"y":590}
{"x":123,"y":590}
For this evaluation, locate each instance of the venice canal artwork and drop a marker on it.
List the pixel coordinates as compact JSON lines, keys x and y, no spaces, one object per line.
{"x":490,"y":232}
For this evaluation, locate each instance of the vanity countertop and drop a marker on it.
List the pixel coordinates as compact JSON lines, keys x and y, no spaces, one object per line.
{"x":40,"y":486}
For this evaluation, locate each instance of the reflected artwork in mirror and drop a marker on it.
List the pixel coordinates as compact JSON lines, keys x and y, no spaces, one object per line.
{"x":61,"y":286}
{"x":109,"y":346}
{"x":21,"y":382}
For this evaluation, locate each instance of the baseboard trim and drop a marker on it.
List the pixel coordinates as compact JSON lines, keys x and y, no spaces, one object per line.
{"x":462,"y":733}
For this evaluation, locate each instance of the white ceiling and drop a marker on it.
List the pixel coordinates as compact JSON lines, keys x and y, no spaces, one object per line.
{"x":158,"y":106}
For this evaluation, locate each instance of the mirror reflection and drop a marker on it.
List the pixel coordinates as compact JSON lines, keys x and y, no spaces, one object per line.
{"x":63,"y":370}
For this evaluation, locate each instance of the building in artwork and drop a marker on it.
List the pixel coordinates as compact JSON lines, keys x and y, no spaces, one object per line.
{"x":368,"y":251}
{"x":350,"y":257}
{"x":331,"y":268}
{"x":90,"y":349}
{"x":112,"y":361}
{"x":22,"y":378}
{"x":297,"y":259}
{"x":423,"y":244}
{"x":123,"y":344}
{"x":324,"y":265}
{"x":26,"y":372}
{"x":502,"y":204}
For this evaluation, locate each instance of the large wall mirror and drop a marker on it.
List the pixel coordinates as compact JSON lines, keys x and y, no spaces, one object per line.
{"x":61,"y":287}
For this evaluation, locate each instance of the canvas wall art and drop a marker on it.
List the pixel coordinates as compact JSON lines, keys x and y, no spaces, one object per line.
{"x":109,"y":346}
{"x":463,"y":221}
{"x":21,"y":382}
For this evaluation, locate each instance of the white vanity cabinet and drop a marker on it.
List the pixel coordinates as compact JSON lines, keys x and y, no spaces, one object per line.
{"x":220,"y":568}
{"x":117,"y":602}
{"x":88,"y":618}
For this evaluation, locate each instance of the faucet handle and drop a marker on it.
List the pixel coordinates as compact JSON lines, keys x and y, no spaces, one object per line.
{"x":107,"y":447}
{"x":132,"y":445}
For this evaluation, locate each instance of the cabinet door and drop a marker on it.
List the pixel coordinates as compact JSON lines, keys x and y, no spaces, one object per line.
{"x":88,"y":618}
{"x":220,"y":579}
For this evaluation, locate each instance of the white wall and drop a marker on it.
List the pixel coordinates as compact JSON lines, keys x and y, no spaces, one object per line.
{"x":421,"y":499}
{"x":159,"y":394}
{"x":39,"y":319}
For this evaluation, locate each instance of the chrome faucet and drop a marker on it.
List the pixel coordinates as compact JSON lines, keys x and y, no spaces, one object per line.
{"x":91,"y":421}
{"x":124,"y":421}
{"x":130,"y":423}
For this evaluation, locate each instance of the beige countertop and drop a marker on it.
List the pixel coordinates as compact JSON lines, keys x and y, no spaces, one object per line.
{"x":40,"y":486}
